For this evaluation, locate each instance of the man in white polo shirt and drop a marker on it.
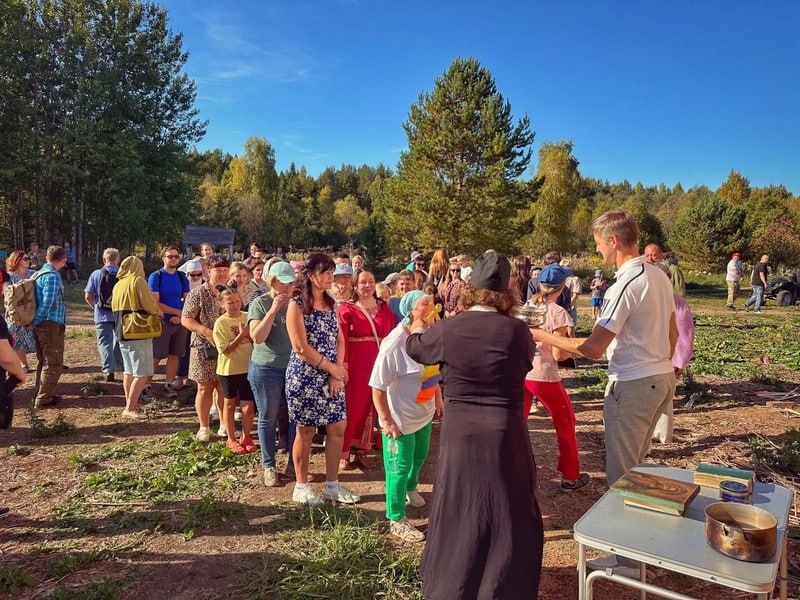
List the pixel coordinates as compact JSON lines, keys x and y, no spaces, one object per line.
{"x":636,"y":329}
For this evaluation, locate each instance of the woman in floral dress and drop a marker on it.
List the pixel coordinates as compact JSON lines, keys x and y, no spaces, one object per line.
{"x":315,"y":380}
{"x":24,"y":340}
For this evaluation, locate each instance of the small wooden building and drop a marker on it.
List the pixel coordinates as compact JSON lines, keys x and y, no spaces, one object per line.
{"x":219,"y":237}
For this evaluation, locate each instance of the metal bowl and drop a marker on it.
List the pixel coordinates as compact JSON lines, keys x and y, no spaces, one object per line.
{"x":741,"y":531}
{"x":533,"y":315}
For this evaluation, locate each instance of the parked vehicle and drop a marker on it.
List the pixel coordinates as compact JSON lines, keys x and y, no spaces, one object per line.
{"x":784,"y":290}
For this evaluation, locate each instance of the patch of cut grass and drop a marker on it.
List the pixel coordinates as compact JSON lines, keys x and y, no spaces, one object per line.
{"x":330,"y":552}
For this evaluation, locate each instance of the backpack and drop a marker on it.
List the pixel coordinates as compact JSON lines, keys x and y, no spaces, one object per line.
{"x":105,"y":287}
{"x":20,"y":301}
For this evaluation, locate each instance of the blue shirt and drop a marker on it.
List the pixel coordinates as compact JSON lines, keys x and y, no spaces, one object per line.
{"x":171,"y":288}
{"x":101,"y":315}
{"x":49,"y":292}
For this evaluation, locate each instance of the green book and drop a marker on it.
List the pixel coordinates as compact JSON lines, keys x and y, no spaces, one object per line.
{"x":709,"y":475}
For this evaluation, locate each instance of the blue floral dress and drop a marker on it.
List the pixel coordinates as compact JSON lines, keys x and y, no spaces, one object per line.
{"x":24,"y":338}
{"x":308,"y":403}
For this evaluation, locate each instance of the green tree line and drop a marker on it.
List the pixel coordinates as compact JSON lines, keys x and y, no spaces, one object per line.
{"x":99,"y":132}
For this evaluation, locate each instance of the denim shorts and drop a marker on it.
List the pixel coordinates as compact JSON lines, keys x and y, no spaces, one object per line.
{"x":137,"y":357}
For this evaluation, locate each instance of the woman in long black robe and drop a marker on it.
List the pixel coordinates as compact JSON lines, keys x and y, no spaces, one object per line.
{"x":485,"y":533}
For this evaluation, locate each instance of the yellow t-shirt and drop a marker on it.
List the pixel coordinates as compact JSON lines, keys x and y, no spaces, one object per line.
{"x":236,"y":362}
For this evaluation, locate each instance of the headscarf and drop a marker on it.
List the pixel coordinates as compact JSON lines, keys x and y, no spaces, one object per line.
{"x":409,"y":301}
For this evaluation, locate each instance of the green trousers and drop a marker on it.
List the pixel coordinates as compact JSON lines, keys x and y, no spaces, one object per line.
{"x":402,"y":469}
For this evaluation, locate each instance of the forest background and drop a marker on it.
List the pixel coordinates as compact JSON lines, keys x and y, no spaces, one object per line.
{"x":99,"y":131}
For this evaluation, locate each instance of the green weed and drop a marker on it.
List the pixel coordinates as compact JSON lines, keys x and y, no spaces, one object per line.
{"x":173,"y":470}
{"x":17,"y":450}
{"x":40,"y":429}
{"x":79,"y":333}
{"x":74,"y":562}
{"x":85,"y":462}
{"x":330,"y":552}
{"x":105,"y":589}
{"x":12,"y":580}
{"x":40,"y":489}
{"x":783,"y":456}
{"x":208,"y":512}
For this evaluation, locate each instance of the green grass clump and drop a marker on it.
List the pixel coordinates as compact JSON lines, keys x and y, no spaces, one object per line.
{"x":79,"y":333}
{"x":40,"y":429}
{"x":330,"y":552}
{"x":782,"y":456}
{"x":105,"y":589}
{"x":12,"y":580}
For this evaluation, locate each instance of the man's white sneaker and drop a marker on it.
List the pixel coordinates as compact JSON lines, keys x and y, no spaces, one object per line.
{"x":305,"y":496}
{"x":237,"y":414}
{"x":414,"y":499}
{"x":203,"y":435}
{"x":405,"y":531}
{"x":340,"y":494}
{"x":221,"y":431}
{"x":270,"y":477}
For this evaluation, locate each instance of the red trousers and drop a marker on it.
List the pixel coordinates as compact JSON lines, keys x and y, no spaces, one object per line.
{"x":555,"y":399}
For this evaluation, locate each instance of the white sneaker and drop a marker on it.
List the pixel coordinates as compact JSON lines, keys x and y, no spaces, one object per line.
{"x":340,"y":494}
{"x":221,"y":431}
{"x":405,"y":531}
{"x":169,"y":391}
{"x":414,"y":499}
{"x":237,"y":414}
{"x":270,"y":477}
{"x":305,"y":496}
{"x":203,"y":435}
{"x":213,"y":414}
{"x":180,"y":383}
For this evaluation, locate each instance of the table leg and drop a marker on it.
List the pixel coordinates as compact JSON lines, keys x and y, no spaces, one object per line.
{"x":581,"y":572}
{"x":783,"y":569}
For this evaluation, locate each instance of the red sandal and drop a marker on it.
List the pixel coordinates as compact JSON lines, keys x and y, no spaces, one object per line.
{"x":236,"y":447}
{"x":248,"y":445}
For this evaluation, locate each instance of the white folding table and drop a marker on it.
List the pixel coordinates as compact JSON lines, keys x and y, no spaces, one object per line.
{"x":678,"y":543}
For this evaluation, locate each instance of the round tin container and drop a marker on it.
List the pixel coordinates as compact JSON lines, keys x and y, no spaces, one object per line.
{"x":734,"y":491}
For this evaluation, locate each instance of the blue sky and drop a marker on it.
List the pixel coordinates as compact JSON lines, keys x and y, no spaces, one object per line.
{"x":679,"y":91}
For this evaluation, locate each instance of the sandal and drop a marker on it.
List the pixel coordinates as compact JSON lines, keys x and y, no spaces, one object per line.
{"x":236,"y":447}
{"x":364,"y":461}
{"x":247,"y":444}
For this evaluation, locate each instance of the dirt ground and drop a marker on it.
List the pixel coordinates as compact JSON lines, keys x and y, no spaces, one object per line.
{"x":168,"y":566}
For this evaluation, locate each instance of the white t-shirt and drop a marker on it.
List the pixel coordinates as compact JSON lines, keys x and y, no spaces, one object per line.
{"x":637,"y":308}
{"x":734,"y":270}
{"x":401,"y":377}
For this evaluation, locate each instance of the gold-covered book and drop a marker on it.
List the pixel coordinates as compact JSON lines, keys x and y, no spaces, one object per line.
{"x":654,"y":492}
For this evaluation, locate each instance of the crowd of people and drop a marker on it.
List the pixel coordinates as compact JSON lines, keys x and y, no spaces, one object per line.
{"x":320,"y":350}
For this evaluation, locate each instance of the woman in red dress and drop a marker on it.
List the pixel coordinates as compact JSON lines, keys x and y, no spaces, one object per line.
{"x":365,"y":321}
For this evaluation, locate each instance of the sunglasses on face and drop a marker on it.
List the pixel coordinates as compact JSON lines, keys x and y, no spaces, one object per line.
{"x":195,"y":275}
{"x":172,"y":256}
{"x":455,"y":270}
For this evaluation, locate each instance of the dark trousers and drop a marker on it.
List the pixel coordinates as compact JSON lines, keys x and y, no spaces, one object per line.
{"x":50,"y":354}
